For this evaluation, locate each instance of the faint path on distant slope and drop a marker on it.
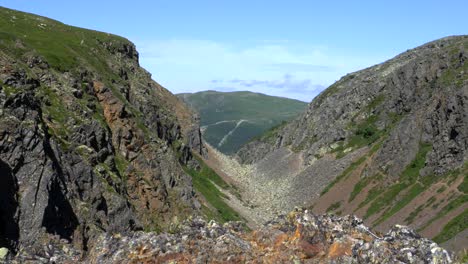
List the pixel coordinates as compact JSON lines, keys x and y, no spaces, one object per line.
{"x":223,"y":140}
{"x":203,"y":128}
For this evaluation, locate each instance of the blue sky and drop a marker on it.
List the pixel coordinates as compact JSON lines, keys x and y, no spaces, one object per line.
{"x":286,"y":48}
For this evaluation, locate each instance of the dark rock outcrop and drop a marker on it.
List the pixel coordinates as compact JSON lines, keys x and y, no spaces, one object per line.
{"x":89,"y":143}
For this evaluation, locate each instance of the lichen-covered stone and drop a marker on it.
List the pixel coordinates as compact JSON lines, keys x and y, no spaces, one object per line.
{"x":299,"y":237}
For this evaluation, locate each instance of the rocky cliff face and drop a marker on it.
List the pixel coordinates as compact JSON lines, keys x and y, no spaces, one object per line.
{"x":89,"y":143}
{"x":299,"y":237}
{"x":389,"y":143}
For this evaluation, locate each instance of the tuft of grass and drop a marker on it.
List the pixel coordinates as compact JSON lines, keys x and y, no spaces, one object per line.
{"x":453,"y":227}
{"x":411,"y":172}
{"x":345,"y":173}
{"x":121,"y":164}
{"x":463,"y":187}
{"x":413,"y":214}
{"x":63,"y":47}
{"x":358,"y":188}
{"x":414,"y":191}
{"x":334,"y":206}
{"x":455,"y":203}
{"x":371,"y":195}
{"x":385,"y":199}
{"x":204,"y":181}
{"x":441,"y":189}
{"x":408,"y":179}
{"x":375,"y":102}
{"x":365,"y":133}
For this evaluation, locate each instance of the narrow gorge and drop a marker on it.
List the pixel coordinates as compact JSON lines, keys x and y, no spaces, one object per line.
{"x":99,"y":163}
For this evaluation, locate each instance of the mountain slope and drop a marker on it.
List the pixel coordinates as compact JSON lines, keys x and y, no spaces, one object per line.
{"x":388,"y":143}
{"x":89,"y":143}
{"x":230,"y":119}
{"x":94,"y":154}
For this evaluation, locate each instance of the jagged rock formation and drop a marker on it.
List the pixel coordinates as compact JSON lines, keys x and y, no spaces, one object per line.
{"x":388,"y":143}
{"x":299,"y":237}
{"x":89,"y":143}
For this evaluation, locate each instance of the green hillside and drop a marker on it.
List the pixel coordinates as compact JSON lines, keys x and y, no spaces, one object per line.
{"x":230,"y":119}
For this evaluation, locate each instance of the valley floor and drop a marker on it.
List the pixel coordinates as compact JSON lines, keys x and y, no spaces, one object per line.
{"x":257,"y":203}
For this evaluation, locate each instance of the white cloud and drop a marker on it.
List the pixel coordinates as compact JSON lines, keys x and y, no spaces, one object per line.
{"x":276,"y":68}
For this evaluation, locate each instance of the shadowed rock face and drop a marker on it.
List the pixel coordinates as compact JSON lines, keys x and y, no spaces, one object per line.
{"x":9,"y":231}
{"x":88,"y":143}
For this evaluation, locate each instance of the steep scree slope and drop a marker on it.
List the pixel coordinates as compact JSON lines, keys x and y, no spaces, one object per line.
{"x":388,"y":143}
{"x":88,"y":141}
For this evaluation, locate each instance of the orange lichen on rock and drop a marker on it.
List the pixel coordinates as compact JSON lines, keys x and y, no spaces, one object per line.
{"x":339,"y":249}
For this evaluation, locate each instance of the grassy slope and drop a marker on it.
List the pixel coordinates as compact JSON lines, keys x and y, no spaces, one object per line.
{"x":261,"y":111}
{"x":383,"y":198}
{"x":69,"y":49}
{"x":205,"y":180}
{"x":63,"y":47}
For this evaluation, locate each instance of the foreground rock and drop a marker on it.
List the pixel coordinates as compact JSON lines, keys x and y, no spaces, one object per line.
{"x":299,"y":237}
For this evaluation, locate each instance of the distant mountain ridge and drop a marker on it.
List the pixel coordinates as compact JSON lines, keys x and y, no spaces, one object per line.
{"x":230,"y":119}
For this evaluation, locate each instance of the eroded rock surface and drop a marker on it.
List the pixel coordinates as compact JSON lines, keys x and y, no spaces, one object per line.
{"x":299,"y":237}
{"x":388,"y":143}
{"x":89,"y":143}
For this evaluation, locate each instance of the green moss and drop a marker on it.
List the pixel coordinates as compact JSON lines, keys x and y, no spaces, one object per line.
{"x":339,"y":150}
{"x":345,"y":173}
{"x":90,"y":103}
{"x":358,"y":188}
{"x":121,"y":164}
{"x":413,"y":214}
{"x":103,"y":179}
{"x":430,"y":201}
{"x":211,"y":175}
{"x":414,"y":191}
{"x":204,"y":181}
{"x":9,"y":90}
{"x":373,"y":193}
{"x":441,"y":189}
{"x":334,"y":206}
{"x":463,"y":255}
{"x":453,"y":227}
{"x":375,"y":102}
{"x":407,"y":179}
{"x":463,"y":187}
{"x":453,"y":76}
{"x":455,"y":203}
{"x":411,"y":172}
{"x":63,"y":47}
{"x":385,"y":199}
